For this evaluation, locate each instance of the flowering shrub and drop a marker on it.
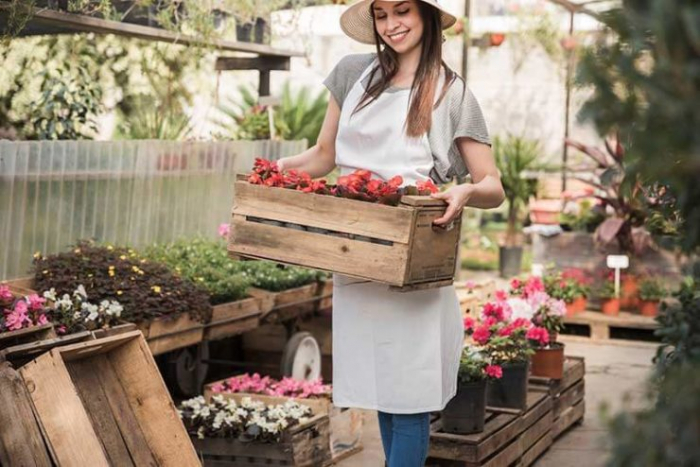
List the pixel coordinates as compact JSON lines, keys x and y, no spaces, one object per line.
{"x":531,"y":302}
{"x":250,"y":420}
{"x":475,"y":366}
{"x":145,"y":289}
{"x":567,"y":285}
{"x":206,"y":263}
{"x":358,"y":185}
{"x":287,"y":387}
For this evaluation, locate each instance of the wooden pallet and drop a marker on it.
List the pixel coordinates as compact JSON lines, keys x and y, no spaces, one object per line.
{"x":103,"y":402}
{"x":568,"y":394}
{"x":305,"y":445}
{"x":599,"y":325}
{"x":508,"y":435}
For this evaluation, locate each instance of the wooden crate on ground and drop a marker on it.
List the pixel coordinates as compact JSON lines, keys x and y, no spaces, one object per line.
{"x":509,"y":436}
{"x":346,"y":425}
{"x":232,"y":319}
{"x":304,"y":445}
{"x":601,"y":326}
{"x":397,"y":245}
{"x":277,"y":307}
{"x":169,"y":333}
{"x":568,"y":394}
{"x":103,"y":402}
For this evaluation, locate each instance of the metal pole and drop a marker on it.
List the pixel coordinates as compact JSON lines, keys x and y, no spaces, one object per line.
{"x":466,"y":39}
{"x":569,"y":72}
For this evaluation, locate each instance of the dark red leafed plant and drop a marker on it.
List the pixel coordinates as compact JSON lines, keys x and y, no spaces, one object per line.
{"x":358,"y":185}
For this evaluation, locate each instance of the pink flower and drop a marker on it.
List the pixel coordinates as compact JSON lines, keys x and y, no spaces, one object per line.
{"x":42,"y":320}
{"x":224,"y":230}
{"x":217,"y":388}
{"x":539,"y":335}
{"x":534,"y":284}
{"x":515,"y":284}
{"x":501,"y":295}
{"x":5,"y":294}
{"x":61,"y":329}
{"x":499,"y":310}
{"x":470,"y":285}
{"x":521,"y":323}
{"x":468,"y":323}
{"x":494,"y":371}
{"x":482,"y":334}
{"x":17,"y":318}
{"x":557,"y":307}
{"x":537,"y":299}
{"x":506,"y":331}
{"x":36,"y":303}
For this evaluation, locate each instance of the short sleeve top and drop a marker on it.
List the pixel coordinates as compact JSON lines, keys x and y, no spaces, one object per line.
{"x":458,"y":115}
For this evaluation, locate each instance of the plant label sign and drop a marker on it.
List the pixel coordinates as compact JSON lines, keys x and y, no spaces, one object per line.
{"x":618,"y":262}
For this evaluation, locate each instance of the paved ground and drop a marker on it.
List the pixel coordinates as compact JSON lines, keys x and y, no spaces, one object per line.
{"x":614,"y":373}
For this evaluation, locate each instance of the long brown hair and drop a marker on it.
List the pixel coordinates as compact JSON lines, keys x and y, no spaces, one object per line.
{"x":427,"y":75}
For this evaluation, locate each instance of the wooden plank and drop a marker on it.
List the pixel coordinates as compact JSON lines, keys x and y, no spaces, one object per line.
{"x":423,"y":201}
{"x":231,"y":319}
{"x":292,"y":303}
{"x":569,"y":398}
{"x":568,"y":418}
{"x":114,"y":330}
{"x":20,"y":354}
{"x":21,"y":441}
{"x":536,"y":431}
{"x":346,"y":427}
{"x":84,"y":374}
{"x":22,"y":336}
{"x":319,"y":251}
{"x":71,"y":23}
{"x":473,"y":448}
{"x":265,"y":298}
{"x":150,"y":401}
{"x":94,"y":347}
{"x":336,"y":214}
{"x":166,"y":334}
{"x":422,"y":286}
{"x":504,"y":458}
{"x":574,"y":371}
{"x":252,"y":63}
{"x":126,"y":421}
{"x":63,"y":418}
{"x":532,"y":454}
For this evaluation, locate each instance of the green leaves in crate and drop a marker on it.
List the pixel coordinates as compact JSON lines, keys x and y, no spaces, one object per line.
{"x":206,"y":263}
{"x":145,"y":289}
{"x":277,"y":277}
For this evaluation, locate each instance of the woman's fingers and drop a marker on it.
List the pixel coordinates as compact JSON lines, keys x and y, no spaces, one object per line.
{"x":451,"y":212}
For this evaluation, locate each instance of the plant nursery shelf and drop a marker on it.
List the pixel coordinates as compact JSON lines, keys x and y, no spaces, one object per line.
{"x":396,"y":245}
{"x":513,"y":437}
{"x":600,"y":325}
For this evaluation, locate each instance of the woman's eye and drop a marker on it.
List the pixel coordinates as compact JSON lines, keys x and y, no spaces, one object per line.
{"x":402,"y":12}
{"x":378,"y":17}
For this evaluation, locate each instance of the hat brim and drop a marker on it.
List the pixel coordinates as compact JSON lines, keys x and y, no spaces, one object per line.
{"x":357,"y":21}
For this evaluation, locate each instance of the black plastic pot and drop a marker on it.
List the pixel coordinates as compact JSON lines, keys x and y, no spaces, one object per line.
{"x":510,"y":260}
{"x":509,"y":391}
{"x":466,"y":412}
{"x":252,"y":32}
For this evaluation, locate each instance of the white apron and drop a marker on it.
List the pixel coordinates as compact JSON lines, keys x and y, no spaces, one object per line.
{"x":392,"y":351}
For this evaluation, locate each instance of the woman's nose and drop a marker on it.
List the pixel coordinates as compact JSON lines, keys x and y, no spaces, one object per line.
{"x":392,"y":23}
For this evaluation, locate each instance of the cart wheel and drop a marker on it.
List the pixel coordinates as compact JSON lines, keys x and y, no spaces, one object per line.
{"x":301,"y":358}
{"x":189,"y":370}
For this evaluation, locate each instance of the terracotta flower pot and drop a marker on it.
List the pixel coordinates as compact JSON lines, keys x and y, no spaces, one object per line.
{"x":510,"y":390}
{"x":611,"y":306}
{"x":466,"y":413}
{"x":577,"y":306}
{"x":629,"y":290}
{"x":649,"y":307}
{"x":548,"y":363}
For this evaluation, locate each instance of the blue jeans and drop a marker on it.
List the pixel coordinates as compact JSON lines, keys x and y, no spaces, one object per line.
{"x":405,"y":438}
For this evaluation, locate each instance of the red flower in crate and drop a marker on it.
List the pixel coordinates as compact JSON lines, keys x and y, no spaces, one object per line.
{"x":427,"y":187}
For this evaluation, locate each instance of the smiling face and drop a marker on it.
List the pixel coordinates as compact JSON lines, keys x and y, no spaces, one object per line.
{"x":399,"y":24}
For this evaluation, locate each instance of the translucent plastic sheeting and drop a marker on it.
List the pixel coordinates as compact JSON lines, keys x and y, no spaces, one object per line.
{"x":53,"y":193}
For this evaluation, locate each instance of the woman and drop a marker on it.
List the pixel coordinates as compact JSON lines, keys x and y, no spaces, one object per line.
{"x":400,"y":111}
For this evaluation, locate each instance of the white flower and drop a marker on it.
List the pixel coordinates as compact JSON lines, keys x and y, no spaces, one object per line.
{"x":80,"y":292}
{"x":50,"y":294}
{"x":521,"y":309}
{"x":92,"y":311}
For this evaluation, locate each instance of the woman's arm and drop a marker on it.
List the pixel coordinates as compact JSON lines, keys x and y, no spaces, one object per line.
{"x":318,"y":160}
{"x":484,"y":192}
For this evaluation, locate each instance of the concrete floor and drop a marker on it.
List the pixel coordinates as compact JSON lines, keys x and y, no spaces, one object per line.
{"x":615,"y":375}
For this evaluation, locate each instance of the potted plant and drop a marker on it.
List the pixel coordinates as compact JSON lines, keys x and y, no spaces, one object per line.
{"x":505,"y":343}
{"x":466,"y":412}
{"x":651,"y":291}
{"x":571,"y":286}
{"x":548,"y":359}
{"x":610,"y":304}
{"x":514,"y":156}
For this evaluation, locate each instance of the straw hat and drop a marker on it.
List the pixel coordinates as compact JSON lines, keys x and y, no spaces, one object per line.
{"x":357,"y":20}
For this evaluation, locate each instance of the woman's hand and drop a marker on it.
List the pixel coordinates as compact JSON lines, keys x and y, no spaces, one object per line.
{"x":456,"y":198}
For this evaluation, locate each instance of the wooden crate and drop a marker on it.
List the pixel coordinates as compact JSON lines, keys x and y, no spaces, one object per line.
{"x":20,"y":354}
{"x":509,"y":436}
{"x":325,"y":294}
{"x":103,"y":403}
{"x":232,"y":319}
{"x":305,"y":445}
{"x":277,"y":307}
{"x":346,"y":425}
{"x":26,"y":335}
{"x":397,"y":245}
{"x":568,"y":394}
{"x":168,"y":333}
{"x":21,"y":286}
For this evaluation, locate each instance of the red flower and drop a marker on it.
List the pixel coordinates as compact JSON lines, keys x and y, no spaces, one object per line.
{"x":539,"y":335}
{"x":494,"y":371}
{"x":506,"y":331}
{"x":427,"y":186}
{"x":482,"y":334}
{"x":521,"y":323}
{"x":501,"y":295}
{"x":515,"y":283}
{"x":468,"y":323}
